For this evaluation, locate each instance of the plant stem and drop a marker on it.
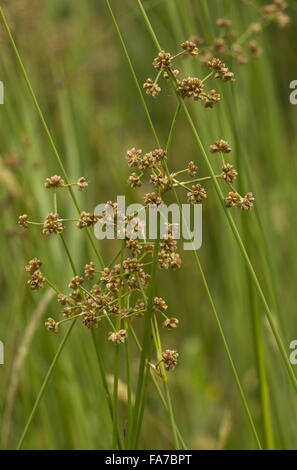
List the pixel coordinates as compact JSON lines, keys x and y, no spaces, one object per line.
{"x":145,"y":342}
{"x":44,"y":385}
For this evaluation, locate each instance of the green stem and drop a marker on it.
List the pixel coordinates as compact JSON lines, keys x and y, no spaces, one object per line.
{"x":44,"y":385}
{"x":145,"y":342}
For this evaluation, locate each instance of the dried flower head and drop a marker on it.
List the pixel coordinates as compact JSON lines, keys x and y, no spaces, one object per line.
{"x":90,"y":270}
{"x":133,"y":156}
{"x":33,"y":265}
{"x":162,"y":61}
{"x":233,"y":199}
{"x":117,"y":337}
{"x":52,"y":325}
{"x":152,"y":199}
{"x":23,"y":220}
{"x":170,"y":323}
{"x":247,"y":201}
{"x":36,"y":281}
{"x":62,"y":299}
{"x":192,"y":169}
{"x":134,"y":180}
{"x":54,"y":182}
{"x":212,"y":98}
{"x":86,"y":219}
{"x":170,"y":358}
{"x":191,"y":87}
{"x":197,"y":194}
{"x":82,"y":183}
{"x":159,"y":304}
{"x":151,"y":87}
{"x":190,"y":47}
{"x":221,"y":70}
{"x":229,"y":173}
{"x":52,"y":225}
{"x":75,"y":282}
{"x":134,"y":246}
{"x":220,"y":146}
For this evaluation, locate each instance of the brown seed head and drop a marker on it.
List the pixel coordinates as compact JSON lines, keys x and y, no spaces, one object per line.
{"x":54,"y":182}
{"x":82,"y":183}
{"x":151,"y":88}
{"x":170,"y":358}
{"x":52,"y":325}
{"x":52,"y":225}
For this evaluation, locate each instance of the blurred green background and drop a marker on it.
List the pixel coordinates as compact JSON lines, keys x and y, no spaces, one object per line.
{"x":81,"y":77}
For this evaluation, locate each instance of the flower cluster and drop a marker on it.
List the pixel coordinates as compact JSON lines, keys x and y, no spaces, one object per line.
{"x":190,"y":87}
{"x":229,"y":174}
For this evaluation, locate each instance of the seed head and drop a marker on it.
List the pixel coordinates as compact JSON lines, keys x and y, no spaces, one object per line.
{"x":159,"y":304}
{"x":62,"y":299}
{"x":23,"y":220}
{"x":212,"y":98}
{"x":134,"y":246}
{"x":162,"y":61}
{"x":191,"y":87}
{"x":151,"y":87}
{"x":220,"y":69}
{"x":197,"y":194}
{"x":82,"y":183}
{"x":86,"y":219}
{"x":220,"y":146}
{"x":229,"y":173}
{"x":152,"y":199}
{"x":90,"y":270}
{"x":192,"y":169}
{"x":233,"y":199}
{"x":52,"y":325}
{"x":36,"y":281}
{"x":133,"y":156}
{"x":247,"y":202}
{"x":190,"y":47}
{"x":134,"y":180}
{"x":90,"y":320}
{"x":170,"y":358}
{"x":75,"y":282}
{"x":33,"y":265}
{"x":117,"y":337}
{"x":52,"y":225}
{"x":54,"y":182}
{"x":170,"y":323}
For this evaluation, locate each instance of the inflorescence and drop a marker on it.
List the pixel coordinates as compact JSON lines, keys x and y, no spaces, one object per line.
{"x":117,"y":293}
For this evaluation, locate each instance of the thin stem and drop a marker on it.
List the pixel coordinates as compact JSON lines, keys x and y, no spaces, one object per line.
{"x":146,"y":340}
{"x":44,"y":385}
